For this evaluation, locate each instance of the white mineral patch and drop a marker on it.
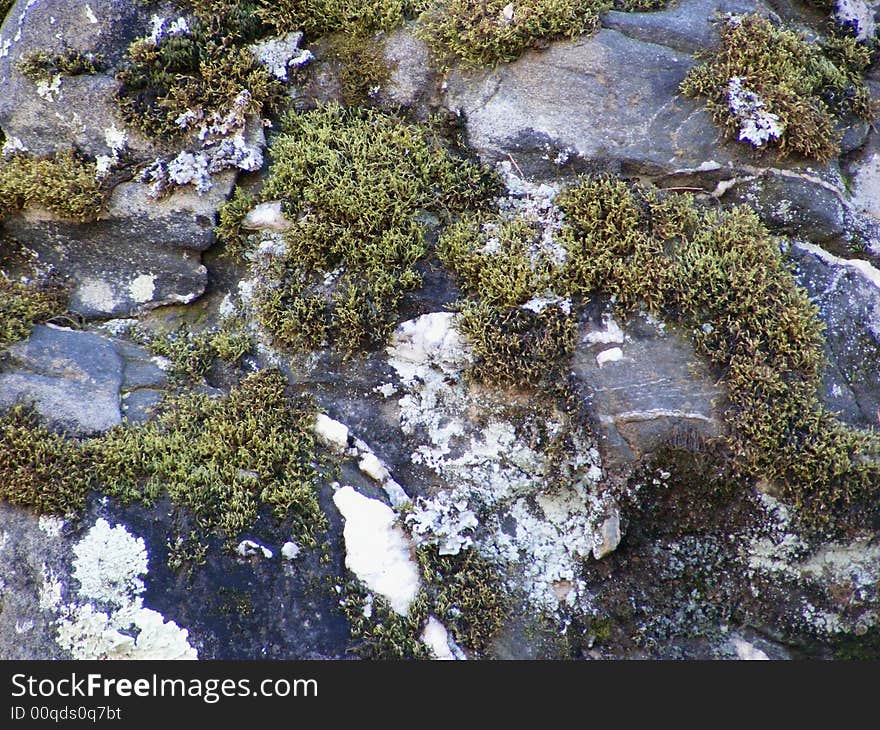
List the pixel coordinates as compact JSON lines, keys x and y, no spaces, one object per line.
{"x":549,"y":299}
{"x":746,"y":651}
{"x":610,"y":334}
{"x":108,"y":565}
{"x":90,"y":15}
{"x":142,"y":288}
{"x":290,"y":550}
{"x":249,"y":549}
{"x":373,"y":468}
{"x":377,"y":549}
{"x":613,"y":354}
{"x":437,"y":639}
{"x":266,"y":217}
{"x":331,"y":433}
{"x":13,"y":145}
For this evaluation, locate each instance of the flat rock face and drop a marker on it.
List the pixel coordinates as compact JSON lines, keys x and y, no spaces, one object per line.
{"x":847,"y":292}
{"x":82,"y":108}
{"x":607,"y":97}
{"x":645,"y":383}
{"x":76,"y":380}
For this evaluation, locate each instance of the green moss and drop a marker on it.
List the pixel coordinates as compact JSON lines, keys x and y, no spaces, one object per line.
{"x":5,"y":7}
{"x":207,"y":70}
{"x":809,"y":86}
{"x":501,"y":269}
{"x":230,"y":216}
{"x":722,"y":274}
{"x":354,"y":183}
{"x":42,"y":66}
{"x":66,"y":184}
{"x":221,"y":458}
{"x":192,"y":354}
{"x":320,"y":17}
{"x":362,"y":66}
{"x":477,"y":32}
{"x":40,"y":469}
{"x":26,"y":303}
{"x":462,"y":591}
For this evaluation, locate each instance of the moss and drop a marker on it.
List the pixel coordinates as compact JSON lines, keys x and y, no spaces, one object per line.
{"x":192,"y":354}
{"x":186,"y":553}
{"x":721,"y":274}
{"x":230,"y":217}
{"x":208,"y":70}
{"x":26,"y":303}
{"x":221,"y":459}
{"x":465,"y":594}
{"x":66,"y":184}
{"x":40,"y":469}
{"x":354,"y":182}
{"x":478,"y":33}
{"x":42,"y":66}
{"x":5,"y":7}
{"x":809,"y":86}
{"x":362,"y":67}
{"x":321,"y":17}
{"x":462,"y":591}
{"x":501,"y":269}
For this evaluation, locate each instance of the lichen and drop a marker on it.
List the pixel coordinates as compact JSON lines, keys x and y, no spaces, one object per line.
{"x":771,"y":87}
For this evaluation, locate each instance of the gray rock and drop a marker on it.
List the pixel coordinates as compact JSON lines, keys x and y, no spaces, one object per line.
{"x":82,"y":108}
{"x":73,"y":378}
{"x":685,"y":26}
{"x":143,"y":253}
{"x":607,"y":98}
{"x":847,"y":293}
{"x":793,"y":204}
{"x":639,"y":395}
{"x":413,"y":82}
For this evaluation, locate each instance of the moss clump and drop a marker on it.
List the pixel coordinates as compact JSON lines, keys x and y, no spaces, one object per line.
{"x":807,"y":86}
{"x":221,"y":458}
{"x":40,"y":469}
{"x":483,"y":32}
{"x":230,"y":217}
{"x":66,"y":184}
{"x":320,"y":17}
{"x":502,"y":269}
{"x":26,"y":303}
{"x":192,"y":354}
{"x":42,"y":66}
{"x":461,"y":590}
{"x":354,"y":183}
{"x":208,"y":71}
{"x":362,"y":67}
{"x":722,"y":274}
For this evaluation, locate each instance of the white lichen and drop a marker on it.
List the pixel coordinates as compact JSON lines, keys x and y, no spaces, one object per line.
{"x":280,"y":54}
{"x":756,"y":125}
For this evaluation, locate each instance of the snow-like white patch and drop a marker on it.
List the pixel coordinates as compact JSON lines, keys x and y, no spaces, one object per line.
{"x":612,"y":354}
{"x":90,"y":14}
{"x":610,"y":334}
{"x":142,"y":288}
{"x":266,"y":217}
{"x":280,"y":54}
{"x":746,"y":651}
{"x":331,"y":433}
{"x":373,"y":467}
{"x":13,"y":145}
{"x":290,"y":550}
{"x":437,"y":639}
{"x":756,"y":125}
{"x":159,"y":29}
{"x":108,"y":565}
{"x":250,"y":549}
{"x":377,"y":550}
{"x":540,"y":303}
